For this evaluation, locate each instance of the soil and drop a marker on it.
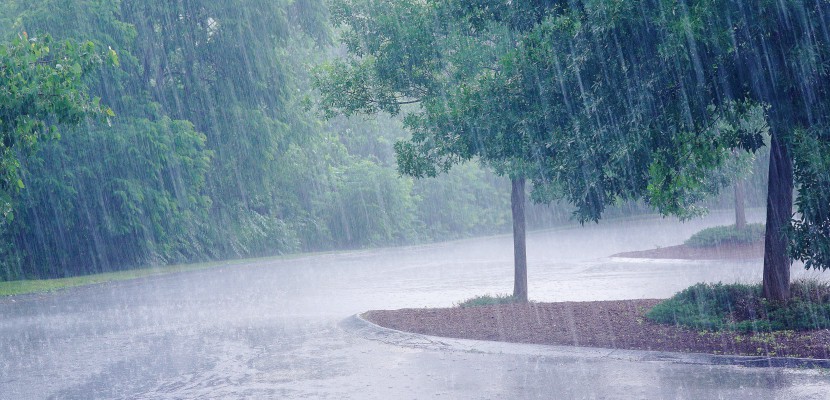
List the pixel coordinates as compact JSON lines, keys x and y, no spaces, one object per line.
{"x":730,"y":251}
{"x":607,"y":324}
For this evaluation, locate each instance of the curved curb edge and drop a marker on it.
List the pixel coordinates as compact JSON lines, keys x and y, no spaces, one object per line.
{"x":371,"y":331}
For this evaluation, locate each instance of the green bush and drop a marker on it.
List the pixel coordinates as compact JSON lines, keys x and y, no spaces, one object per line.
{"x":718,"y":235}
{"x":740,"y":307}
{"x":487,"y":300}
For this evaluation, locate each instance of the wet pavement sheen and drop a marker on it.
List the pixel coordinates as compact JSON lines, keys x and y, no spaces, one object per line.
{"x":270,"y":328}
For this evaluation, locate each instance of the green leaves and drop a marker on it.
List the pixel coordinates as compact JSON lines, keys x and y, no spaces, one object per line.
{"x":113,"y":187}
{"x":389,"y":63}
{"x":42,"y":89}
{"x":445,"y":61}
{"x":810,"y":232}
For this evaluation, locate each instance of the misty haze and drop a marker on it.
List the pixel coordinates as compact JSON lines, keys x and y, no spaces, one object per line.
{"x":395,"y":199}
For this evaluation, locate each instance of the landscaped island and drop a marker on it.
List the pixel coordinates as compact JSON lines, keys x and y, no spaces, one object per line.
{"x":716,"y":243}
{"x":607,"y":324}
{"x":724,"y":319}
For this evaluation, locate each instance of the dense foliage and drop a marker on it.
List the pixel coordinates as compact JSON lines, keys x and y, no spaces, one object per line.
{"x":562,"y":93}
{"x":41,"y":88}
{"x":721,"y":235}
{"x":210,"y":151}
{"x":742,"y":307}
{"x":654,"y":117}
{"x":811,"y":232}
{"x":487,"y":300}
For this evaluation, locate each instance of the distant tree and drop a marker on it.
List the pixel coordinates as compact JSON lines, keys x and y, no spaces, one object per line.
{"x":743,"y":162}
{"x":41,"y":88}
{"x":223,"y":81}
{"x":112,"y":197}
{"x":733,"y":170}
{"x":212,"y":153}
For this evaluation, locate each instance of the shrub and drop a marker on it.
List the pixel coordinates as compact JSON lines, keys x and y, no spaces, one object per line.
{"x":740,"y":307}
{"x":718,"y":235}
{"x":487,"y":300}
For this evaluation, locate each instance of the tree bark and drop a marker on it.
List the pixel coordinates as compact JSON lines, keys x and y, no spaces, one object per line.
{"x":779,"y":212}
{"x":740,"y":213}
{"x":517,"y":200}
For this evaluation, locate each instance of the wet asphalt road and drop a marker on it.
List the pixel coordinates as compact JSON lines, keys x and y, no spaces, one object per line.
{"x":269,"y":329}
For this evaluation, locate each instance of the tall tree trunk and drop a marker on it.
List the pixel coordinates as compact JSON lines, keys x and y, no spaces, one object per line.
{"x":740,"y":213}
{"x":779,"y":211}
{"x":517,"y":200}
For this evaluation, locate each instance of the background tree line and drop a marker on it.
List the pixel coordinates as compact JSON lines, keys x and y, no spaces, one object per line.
{"x":213,"y":151}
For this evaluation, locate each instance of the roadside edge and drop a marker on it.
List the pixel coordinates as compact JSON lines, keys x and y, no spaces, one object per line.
{"x":371,"y":331}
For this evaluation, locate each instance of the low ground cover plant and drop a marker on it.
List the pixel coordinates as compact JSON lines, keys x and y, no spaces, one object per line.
{"x":741,"y":307}
{"x":730,"y":234}
{"x":487,"y":300}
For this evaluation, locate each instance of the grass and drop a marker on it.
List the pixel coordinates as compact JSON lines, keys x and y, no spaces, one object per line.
{"x":487,"y":300}
{"x":741,"y":308}
{"x":11,"y":288}
{"x":718,"y":235}
{"x":48,"y":285}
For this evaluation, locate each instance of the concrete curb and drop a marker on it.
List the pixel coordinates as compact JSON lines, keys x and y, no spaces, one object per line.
{"x":370,"y":331}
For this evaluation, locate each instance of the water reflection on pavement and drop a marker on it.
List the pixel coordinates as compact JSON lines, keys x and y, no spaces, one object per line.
{"x":269,"y":329}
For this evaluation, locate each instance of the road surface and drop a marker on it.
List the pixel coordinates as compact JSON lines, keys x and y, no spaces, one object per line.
{"x":269,"y":329}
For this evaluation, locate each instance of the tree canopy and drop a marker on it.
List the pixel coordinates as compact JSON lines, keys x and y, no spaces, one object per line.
{"x":212,"y":152}
{"x":563,"y":92}
{"x":42,"y":88}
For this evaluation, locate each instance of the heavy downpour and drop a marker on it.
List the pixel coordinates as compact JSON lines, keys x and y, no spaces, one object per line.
{"x":414,"y":199}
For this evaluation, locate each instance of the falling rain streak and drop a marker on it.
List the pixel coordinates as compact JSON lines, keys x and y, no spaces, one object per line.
{"x":437,"y":150}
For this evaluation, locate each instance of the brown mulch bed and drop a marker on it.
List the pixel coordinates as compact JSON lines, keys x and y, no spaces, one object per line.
{"x":608,"y":324}
{"x":683,"y":252}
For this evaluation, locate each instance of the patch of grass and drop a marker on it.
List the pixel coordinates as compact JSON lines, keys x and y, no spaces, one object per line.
{"x":717,"y":235}
{"x":487,"y":300}
{"x":48,"y":285}
{"x":10,"y":288}
{"x":740,"y":307}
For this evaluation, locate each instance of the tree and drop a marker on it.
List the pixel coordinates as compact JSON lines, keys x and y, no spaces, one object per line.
{"x":229,"y":72}
{"x":111,"y":196}
{"x":435,"y":62}
{"x":42,"y":89}
{"x":793,"y":84}
{"x":236,"y":71}
{"x":601,"y":116}
{"x":642,"y":116}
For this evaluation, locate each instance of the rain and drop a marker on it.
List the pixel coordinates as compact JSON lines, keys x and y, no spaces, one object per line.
{"x":383,"y":199}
